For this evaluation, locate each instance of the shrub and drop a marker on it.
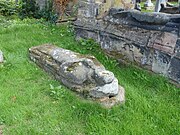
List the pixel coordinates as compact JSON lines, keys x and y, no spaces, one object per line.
{"x":29,"y":8}
{"x":48,"y":13}
{"x":8,"y":8}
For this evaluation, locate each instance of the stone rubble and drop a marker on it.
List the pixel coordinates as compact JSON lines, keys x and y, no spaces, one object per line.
{"x":81,"y":73}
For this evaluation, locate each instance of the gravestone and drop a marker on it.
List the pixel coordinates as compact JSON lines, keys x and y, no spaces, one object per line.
{"x":81,"y":73}
{"x":149,"y":5}
{"x":1,"y":57}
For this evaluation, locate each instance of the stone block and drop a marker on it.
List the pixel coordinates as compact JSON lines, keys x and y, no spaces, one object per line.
{"x":151,"y":18}
{"x":161,"y":62}
{"x":147,"y":58}
{"x":81,"y":73}
{"x":177,"y":49}
{"x":148,"y":3}
{"x":1,"y":57}
{"x":86,"y":34}
{"x":174,"y":70}
{"x":164,"y":42}
{"x":136,"y":36}
{"x":122,"y":49}
{"x":87,"y":9}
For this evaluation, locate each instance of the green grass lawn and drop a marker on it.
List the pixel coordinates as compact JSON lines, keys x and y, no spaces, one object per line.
{"x":33,"y":103}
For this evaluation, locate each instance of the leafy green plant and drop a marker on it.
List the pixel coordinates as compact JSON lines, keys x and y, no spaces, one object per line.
{"x":29,"y":8}
{"x":8,"y":8}
{"x":57,"y":92}
{"x":89,"y":44}
{"x":48,"y":12}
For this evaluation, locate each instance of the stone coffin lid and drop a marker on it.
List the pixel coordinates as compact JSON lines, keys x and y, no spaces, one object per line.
{"x":81,"y":73}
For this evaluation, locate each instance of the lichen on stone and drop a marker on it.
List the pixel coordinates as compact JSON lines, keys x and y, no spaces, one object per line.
{"x":84,"y":75}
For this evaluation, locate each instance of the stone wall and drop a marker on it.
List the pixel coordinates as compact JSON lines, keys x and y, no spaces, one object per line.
{"x":149,"y":40}
{"x":98,"y":8}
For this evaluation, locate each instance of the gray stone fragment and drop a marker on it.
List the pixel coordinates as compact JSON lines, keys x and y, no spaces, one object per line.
{"x":152,"y":18}
{"x":177,"y":49}
{"x":148,"y":3}
{"x":174,"y":70}
{"x":82,"y":73}
{"x":161,"y":63}
{"x":103,"y":76}
{"x":117,"y":99}
{"x":1,"y":57}
{"x":107,"y":90}
{"x":74,"y":71}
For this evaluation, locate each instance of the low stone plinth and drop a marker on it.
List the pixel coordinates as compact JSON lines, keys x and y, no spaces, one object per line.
{"x":1,"y":57}
{"x":81,"y":73}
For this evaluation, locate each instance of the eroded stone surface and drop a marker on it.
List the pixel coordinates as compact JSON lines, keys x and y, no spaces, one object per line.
{"x":174,"y":70}
{"x":150,"y":40}
{"x":152,"y":18}
{"x":83,"y":74}
{"x":164,"y":42}
{"x":1,"y":57}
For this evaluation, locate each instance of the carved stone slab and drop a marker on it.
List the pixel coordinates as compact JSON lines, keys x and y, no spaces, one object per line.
{"x":81,"y":73}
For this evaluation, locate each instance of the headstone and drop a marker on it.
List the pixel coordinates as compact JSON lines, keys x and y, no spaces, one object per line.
{"x":149,"y":5}
{"x":81,"y":73}
{"x":1,"y":57}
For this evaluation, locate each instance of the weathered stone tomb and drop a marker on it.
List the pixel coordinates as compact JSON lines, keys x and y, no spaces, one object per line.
{"x":149,"y":40}
{"x":83,"y":74}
